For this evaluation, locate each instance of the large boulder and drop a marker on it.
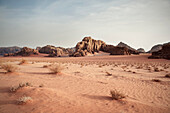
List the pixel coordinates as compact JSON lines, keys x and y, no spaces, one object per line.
{"x":164,"y":53}
{"x":141,"y":50}
{"x":25,"y":51}
{"x":155,"y":48}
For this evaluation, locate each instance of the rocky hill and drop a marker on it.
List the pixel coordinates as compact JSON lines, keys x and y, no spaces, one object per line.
{"x":6,"y":50}
{"x":141,"y":50}
{"x":155,"y":48}
{"x":25,"y":51}
{"x":163,"y":53}
{"x":56,"y":51}
{"x":89,"y":45}
{"x":131,"y":50}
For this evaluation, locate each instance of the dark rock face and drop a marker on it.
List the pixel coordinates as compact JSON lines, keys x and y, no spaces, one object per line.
{"x":130,"y":49}
{"x":155,"y":48}
{"x":141,"y":50}
{"x":25,"y":51}
{"x":113,"y":50}
{"x":56,"y":51}
{"x":164,"y":53}
{"x":7,"y":50}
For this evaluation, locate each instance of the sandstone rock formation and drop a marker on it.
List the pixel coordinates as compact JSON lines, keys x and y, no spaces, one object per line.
{"x":25,"y":51}
{"x":89,"y":45}
{"x":141,"y":50}
{"x":130,"y":49}
{"x":7,"y":50}
{"x":163,"y":53}
{"x":56,"y":51}
{"x":155,"y":48}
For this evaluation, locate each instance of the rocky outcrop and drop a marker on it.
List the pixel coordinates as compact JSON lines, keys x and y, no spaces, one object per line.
{"x":164,"y":53}
{"x":56,"y":51}
{"x":38,"y":48}
{"x":7,"y":50}
{"x":89,"y":45}
{"x":141,"y":50}
{"x":155,"y":48}
{"x":113,"y":50}
{"x":130,"y":49}
{"x":25,"y":51}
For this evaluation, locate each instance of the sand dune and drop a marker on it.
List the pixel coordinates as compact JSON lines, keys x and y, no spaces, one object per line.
{"x":84,"y":85}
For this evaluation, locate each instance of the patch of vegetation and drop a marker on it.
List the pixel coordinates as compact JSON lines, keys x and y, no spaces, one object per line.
{"x":55,"y":69}
{"x":9,"y":67}
{"x":21,"y":85}
{"x":116,"y":95}
{"x":23,"y":100}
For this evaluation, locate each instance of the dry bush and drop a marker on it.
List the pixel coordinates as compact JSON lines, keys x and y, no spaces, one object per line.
{"x":21,"y":85}
{"x":9,"y":67}
{"x":167,"y":75}
{"x":156,"y":70}
{"x":23,"y":100}
{"x":23,"y":61}
{"x":55,"y":69}
{"x":116,"y":95}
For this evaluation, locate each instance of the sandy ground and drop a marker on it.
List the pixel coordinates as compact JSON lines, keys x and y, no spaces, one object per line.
{"x":84,"y":85}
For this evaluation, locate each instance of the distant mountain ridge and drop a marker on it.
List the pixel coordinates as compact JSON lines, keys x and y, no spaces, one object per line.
{"x":6,"y":50}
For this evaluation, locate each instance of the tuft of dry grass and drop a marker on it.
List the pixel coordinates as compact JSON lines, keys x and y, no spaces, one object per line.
{"x":21,"y":85}
{"x":116,"y":95}
{"x":156,"y":70}
{"x":55,"y":69}
{"x":23,"y":100}
{"x":23,"y":61}
{"x":9,"y":67}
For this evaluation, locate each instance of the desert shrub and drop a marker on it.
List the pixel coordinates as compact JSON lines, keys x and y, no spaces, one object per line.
{"x":167,"y":75}
{"x":9,"y":67}
{"x":156,"y":70}
{"x":23,"y":100}
{"x":21,"y":85}
{"x":23,"y":61}
{"x":116,"y":95}
{"x":55,"y":69}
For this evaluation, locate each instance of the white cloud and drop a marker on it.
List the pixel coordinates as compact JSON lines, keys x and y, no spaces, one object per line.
{"x":141,"y":23}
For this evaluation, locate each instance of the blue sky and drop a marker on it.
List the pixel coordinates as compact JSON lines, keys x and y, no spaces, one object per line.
{"x":139,"y":23}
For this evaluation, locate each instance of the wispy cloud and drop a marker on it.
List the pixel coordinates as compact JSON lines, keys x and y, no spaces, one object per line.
{"x":141,"y":23}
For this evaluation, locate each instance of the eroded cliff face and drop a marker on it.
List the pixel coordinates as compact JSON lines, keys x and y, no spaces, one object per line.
{"x":164,"y":53}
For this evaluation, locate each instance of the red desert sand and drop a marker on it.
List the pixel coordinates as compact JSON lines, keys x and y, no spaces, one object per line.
{"x":83,"y":85}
